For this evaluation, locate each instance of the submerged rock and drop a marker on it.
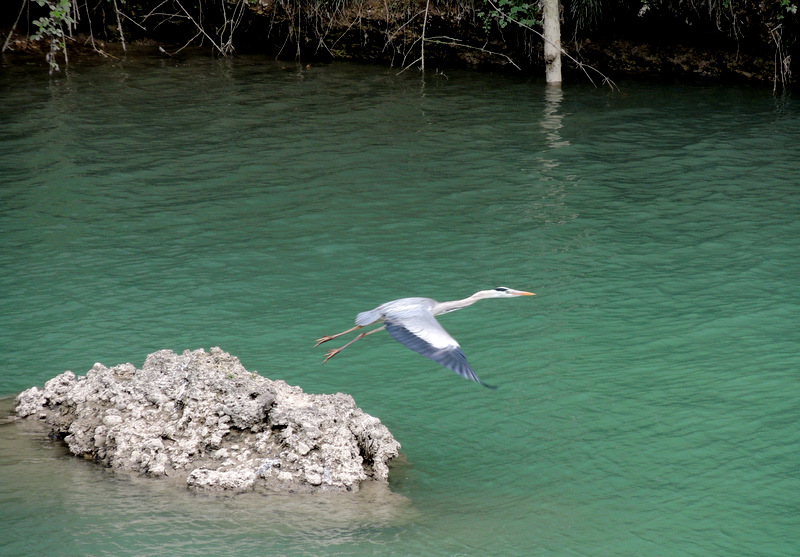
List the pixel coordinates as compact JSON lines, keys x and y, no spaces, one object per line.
{"x":203,"y":416}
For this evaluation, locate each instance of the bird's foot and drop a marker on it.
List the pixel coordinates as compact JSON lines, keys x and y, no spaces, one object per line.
{"x":331,"y":353}
{"x":323,"y":339}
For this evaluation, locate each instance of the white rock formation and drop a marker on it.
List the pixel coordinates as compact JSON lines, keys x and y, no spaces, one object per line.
{"x":202,"y":416}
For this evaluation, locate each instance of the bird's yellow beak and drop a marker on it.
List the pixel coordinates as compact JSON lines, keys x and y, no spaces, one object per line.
{"x":523,"y":293}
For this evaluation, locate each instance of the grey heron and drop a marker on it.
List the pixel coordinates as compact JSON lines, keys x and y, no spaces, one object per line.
{"x":412,"y":322}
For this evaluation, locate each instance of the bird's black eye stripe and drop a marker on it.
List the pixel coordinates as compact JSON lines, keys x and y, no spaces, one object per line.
{"x":501,"y":289}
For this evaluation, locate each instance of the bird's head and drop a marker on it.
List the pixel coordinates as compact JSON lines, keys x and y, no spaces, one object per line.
{"x":503,"y":292}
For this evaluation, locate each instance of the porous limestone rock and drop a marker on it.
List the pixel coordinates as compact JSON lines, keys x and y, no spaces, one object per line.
{"x":203,"y":416}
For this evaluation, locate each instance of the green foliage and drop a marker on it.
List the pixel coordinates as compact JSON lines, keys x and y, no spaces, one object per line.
{"x":54,"y":27}
{"x":500,"y":12}
{"x":789,"y":7}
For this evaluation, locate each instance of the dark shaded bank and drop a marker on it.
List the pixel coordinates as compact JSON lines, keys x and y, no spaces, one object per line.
{"x":751,"y":41}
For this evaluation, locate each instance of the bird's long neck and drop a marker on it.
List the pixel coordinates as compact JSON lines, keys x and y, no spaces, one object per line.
{"x":447,"y":307}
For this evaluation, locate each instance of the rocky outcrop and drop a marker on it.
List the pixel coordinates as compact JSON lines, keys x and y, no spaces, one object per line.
{"x":203,"y":416}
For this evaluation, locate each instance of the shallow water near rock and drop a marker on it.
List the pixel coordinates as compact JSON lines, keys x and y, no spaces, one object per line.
{"x":648,"y":395}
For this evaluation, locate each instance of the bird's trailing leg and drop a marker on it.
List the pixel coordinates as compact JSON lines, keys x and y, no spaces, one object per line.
{"x":331,"y":337}
{"x":333,"y":351}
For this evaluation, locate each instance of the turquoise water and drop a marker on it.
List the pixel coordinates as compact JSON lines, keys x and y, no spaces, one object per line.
{"x":649,"y":395}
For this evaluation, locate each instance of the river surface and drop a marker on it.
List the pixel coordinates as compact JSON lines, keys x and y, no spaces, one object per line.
{"x":649,"y":395}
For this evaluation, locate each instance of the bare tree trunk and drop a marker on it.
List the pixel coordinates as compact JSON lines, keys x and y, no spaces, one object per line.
{"x":422,"y":44}
{"x":552,"y":41}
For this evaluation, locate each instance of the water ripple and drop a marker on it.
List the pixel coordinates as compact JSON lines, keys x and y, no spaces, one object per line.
{"x":648,"y":395}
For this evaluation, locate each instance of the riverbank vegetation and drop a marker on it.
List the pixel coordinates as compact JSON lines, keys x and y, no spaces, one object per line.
{"x":723,"y":39}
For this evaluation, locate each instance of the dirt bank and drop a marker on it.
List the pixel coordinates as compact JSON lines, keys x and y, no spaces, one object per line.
{"x":752,"y":45}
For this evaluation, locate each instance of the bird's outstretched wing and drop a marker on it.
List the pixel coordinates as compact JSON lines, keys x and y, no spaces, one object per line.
{"x":422,"y":333}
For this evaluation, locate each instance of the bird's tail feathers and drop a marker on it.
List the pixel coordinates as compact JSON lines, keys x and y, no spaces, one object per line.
{"x":368,"y":317}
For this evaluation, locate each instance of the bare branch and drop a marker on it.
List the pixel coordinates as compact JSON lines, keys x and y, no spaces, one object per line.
{"x":450,"y":41}
{"x":153,"y":11}
{"x":190,"y":41}
{"x":139,"y":25}
{"x":411,"y":64}
{"x":14,"y":27}
{"x":396,"y":31}
{"x":200,"y":29}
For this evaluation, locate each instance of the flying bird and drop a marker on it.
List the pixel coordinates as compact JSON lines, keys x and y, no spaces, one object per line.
{"x":412,"y":322}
